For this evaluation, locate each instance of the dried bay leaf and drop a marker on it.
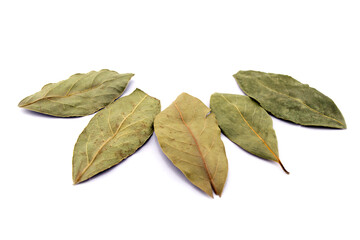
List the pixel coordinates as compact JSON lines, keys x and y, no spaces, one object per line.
{"x":113,"y":134}
{"x":287,"y":98}
{"x":190,"y":138}
{"x":247,"y":124}
{"x":80,"y":95}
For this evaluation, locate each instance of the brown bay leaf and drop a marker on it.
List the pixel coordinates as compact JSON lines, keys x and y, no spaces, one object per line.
{"x":246,"y":124}
{"x":288,"y":99}
{"x":79,"y":95}
{"x":113,"y":134}
{"x":190,"y":137}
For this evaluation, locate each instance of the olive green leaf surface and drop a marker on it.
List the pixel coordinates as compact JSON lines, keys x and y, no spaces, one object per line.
{"x":80,"y":95}
{"x":287,"y":98}
{"x":247,"y":124}
{"x":113,"y":134}
{"x":190,"y":137}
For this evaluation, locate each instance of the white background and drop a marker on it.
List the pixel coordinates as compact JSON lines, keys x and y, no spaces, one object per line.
{"x":174,"y":47}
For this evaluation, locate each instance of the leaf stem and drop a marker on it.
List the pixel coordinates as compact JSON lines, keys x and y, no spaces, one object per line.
{"x":283,"y":168}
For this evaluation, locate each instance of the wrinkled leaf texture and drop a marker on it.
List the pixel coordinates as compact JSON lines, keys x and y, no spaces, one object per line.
{"x":190,"y":137}
{"x":247,"y":124}
{"x":113,"y":134}
{"x":80,"y":95}
{"x":288,"y":99}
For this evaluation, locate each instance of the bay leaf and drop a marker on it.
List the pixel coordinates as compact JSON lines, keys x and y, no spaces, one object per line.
{"x":113,"y":134}
{"x":190,"y":137}
{"x":79,"y":95}
{"x":288,"y":99}
{"x":247,"y":124}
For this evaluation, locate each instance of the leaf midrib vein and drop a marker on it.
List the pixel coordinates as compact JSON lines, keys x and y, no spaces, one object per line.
{"x":198,"y":148}
{"x":66,"y":96}
{"x":252,"y":129}
{"x":300,"y":101}
{"x":107,"y":141}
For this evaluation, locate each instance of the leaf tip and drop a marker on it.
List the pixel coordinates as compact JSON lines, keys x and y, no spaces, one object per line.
{"x":77,"y":179}
{"x":21,"y":104}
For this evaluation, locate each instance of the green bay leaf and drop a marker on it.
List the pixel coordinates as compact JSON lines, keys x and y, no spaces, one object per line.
{"x":288,"y":99}
{"x":113,"y":134}
{"x":247,"y":124}
{"x":79,"y":95}
{"x":190,"y":137}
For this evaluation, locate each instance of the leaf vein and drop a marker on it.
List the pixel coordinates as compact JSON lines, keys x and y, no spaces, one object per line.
{"x":198,"y":148}
{"x":107,"y":141}
{"x":300,"y":101}
{"x":182,"y":151}
{"x":253,"y":130}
